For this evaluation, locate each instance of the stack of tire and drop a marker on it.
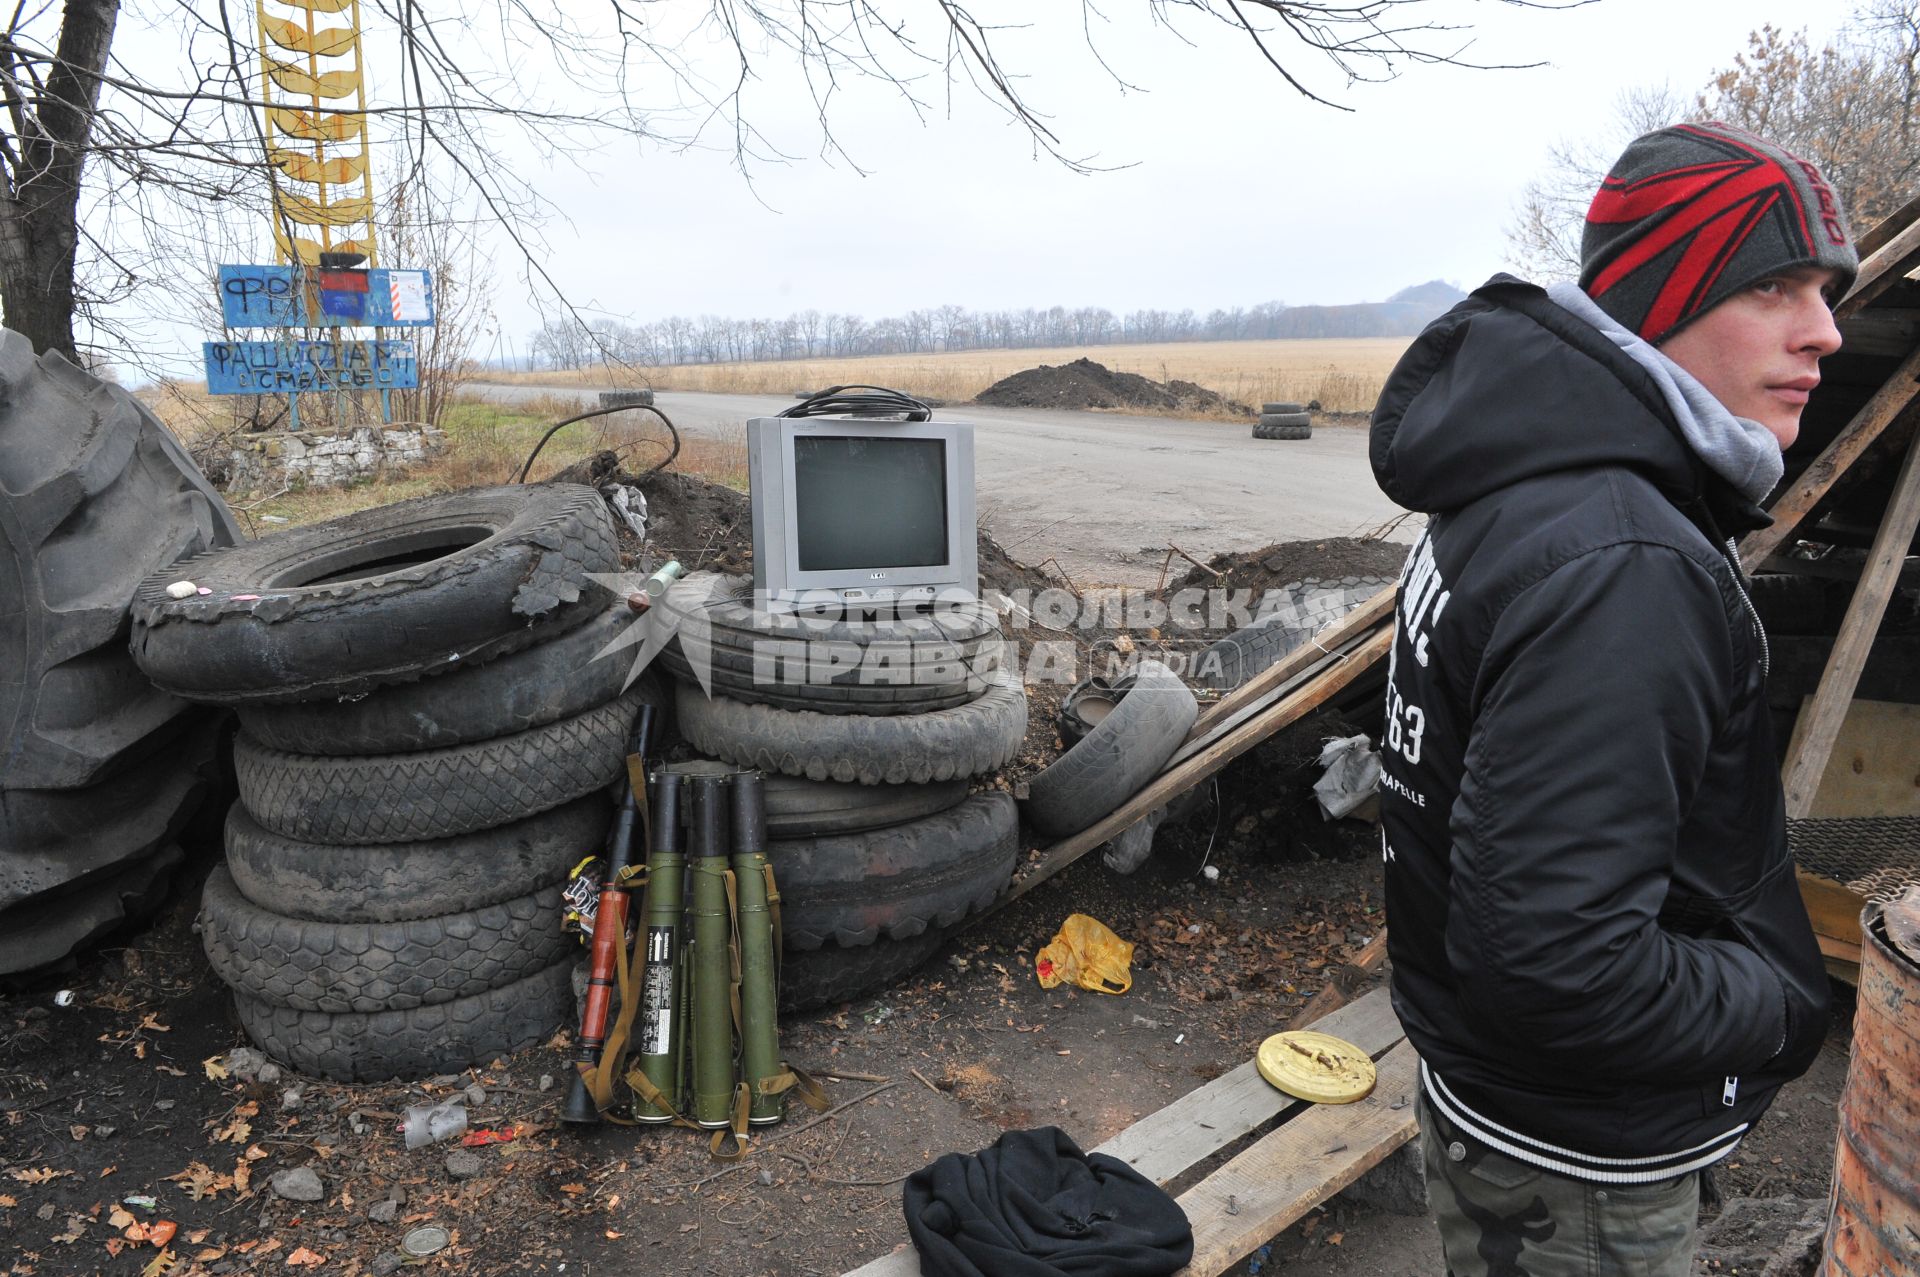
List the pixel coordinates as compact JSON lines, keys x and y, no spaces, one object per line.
{"x":871,"y":731}
{"x":425,"y":749}
{"x":101,"y":769}
{"x":1284,"y":421}
{"x":1289,"y":615}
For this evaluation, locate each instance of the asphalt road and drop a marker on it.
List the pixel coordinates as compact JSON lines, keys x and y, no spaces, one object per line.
{"x":1105,"y":494}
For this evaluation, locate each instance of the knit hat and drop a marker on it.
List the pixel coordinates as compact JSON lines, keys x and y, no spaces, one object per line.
{"x":1694,"y":213}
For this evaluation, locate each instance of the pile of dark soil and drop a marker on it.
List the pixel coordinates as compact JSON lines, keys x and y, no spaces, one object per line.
{"x":1084,"y":384}
{"x":1287,"y":561}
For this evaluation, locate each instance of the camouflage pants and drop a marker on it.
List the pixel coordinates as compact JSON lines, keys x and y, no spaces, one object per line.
{"x":1504,"y":1218}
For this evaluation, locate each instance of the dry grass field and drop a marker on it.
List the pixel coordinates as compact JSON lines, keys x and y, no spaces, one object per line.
{"x":486,"y":444}
{"x":1345,"y":375}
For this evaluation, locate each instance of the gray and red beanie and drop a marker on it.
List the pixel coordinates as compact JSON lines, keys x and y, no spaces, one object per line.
{"x":1694,"y":213}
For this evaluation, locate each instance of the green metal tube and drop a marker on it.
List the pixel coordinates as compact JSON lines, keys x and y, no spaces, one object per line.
{"x":658,"y":1048}
{"x":712,"y":967}
{"x":759,"y":1020}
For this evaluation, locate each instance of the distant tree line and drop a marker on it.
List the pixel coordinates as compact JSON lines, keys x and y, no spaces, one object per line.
{"x":813,"y":334}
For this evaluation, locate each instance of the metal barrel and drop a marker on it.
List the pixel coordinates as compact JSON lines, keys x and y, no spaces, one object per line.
{"x":658,"y":1049}
{"x":712,"y":964}
{"x":1874,"y":1227}
{"x":759,"y":1021}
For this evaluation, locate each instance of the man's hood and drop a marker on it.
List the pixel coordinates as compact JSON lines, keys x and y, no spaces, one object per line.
{"x":1513,"y":383}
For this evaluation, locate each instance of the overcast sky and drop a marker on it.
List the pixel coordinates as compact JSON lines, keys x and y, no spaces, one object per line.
{"x":1237,"y":190}
{"x":1240,"y":190}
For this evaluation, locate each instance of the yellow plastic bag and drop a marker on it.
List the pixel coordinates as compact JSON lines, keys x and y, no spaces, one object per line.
{"x":1088,"y":954}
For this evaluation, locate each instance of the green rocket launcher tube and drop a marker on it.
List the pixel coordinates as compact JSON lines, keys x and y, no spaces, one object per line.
{"x":658,"y":1049}
{"x":759,"y":1023}
{"x":712,"y":962}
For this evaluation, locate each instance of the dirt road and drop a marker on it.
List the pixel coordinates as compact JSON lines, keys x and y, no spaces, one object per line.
{"x":1105,"y":493}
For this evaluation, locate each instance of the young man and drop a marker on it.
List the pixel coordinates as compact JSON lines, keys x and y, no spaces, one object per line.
{"x":1598,"y":945}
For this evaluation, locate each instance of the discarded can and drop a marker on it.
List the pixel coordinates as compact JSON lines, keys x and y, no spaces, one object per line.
{"x":425,"y":1124}
{"x":425,"y":1241}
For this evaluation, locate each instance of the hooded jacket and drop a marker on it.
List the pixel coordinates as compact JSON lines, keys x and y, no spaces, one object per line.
{"x":1598,"y":944}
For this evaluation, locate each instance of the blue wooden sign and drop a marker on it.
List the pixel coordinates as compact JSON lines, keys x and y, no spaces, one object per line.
{"x":271,"y":297}
{"x":289,"y":367}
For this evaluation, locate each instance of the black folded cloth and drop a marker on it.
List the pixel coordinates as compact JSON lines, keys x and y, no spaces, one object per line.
{"x":1034,"y":1205}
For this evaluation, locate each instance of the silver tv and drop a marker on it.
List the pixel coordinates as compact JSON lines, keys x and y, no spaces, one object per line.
{"x":865,"y":510}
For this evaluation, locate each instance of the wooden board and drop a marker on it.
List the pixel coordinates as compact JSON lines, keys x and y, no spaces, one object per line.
{"x":1874,"y":769}
{"x":1164,"y":1145}
{"x":1167,"y":1143}
{"x":1254,"y":1197}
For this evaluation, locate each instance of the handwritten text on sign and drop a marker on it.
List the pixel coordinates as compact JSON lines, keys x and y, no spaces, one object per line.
{"x":270,"y":297}
{"x":282,"y":367}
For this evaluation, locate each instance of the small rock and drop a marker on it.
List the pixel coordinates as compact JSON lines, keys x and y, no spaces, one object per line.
{"x":164,"y":1105}
{"x":224,"y":1267}
{"x":269,"y":1074}
{"x":462,"y":1164}
{"x":355,"y":1125}
{"x":383,"y":1212}
{"x":102,"y":1132}
{"x":443,"y":1079}
{"x":546,"y":1081}
{"x":298,"y":1184}
{"x":476,"y":1095}
{"x":245,"y":1063}
{"x":45,"y":1211}
{"x":397,"y":1195}
{"x":338,"y":1237}
{"x":386,"y":1264}
{"x":766,"y":1178}
{"x":291,"y":1099}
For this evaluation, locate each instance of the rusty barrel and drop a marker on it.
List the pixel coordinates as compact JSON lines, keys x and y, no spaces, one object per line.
{"x":1874,"y":1226}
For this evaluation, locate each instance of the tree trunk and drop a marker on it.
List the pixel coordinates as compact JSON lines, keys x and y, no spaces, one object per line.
{"x":39,"y":211}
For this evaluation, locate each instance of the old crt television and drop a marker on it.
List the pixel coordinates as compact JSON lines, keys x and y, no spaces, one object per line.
{"x":868,"y":509}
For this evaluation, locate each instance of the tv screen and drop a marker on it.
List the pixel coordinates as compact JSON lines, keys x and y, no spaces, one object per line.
{"x":864,"y":502}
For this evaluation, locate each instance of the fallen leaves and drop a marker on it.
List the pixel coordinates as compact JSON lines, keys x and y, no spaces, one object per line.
{"x":201,"y":1181}
{"x":216,"y":1071}
{"x":45,"y":1174}
{"x":7,"y":1202}
{"x":304,"y":1258}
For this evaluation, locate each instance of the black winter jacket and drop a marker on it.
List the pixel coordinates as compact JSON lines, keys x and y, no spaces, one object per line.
{"x":1599,"y":948}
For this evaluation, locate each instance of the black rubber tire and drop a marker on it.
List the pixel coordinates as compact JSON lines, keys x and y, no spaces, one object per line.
{"x":626,"y":399}
{"x":946,"y":654}
{"x":1282,"y":432}
{"x":973,"y":739}
{"x":395,"y":882}
{"x":51,"y":838}
{"x":824,"y":977}
{"x":46,"y":932}
{"x":421,"y":1042}
{"x":801,"y":808}
{"x":1121,"y":754}
{"x":1286,"y":419}
{"x":376,"y":966}
{"x":1269,"y":409}
{"x":469,"y":576}
{"x":95,"y":494}
{"x":852,"y":889}
{"x":530,"y":688}
{"x":1316,"y":604}
{"x":437,"y":793}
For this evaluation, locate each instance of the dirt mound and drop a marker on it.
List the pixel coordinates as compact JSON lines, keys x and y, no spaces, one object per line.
{"x":1084,"y":384}
{"x":1288,"y":561}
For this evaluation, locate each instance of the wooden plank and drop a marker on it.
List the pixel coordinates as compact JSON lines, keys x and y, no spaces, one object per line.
{"x":1349,"y":627}
{"x":1886,"y":331}
{"x":1166,"y":1144}
{"x":1892,"y":224}
{"x":1838,"y":950}
{"x":1881,"y":270}
{"x":1871,"y":769}
{"x":1798,"y":501}
{"x":1266,"y":1189}
{"x":1834,"y":910}
{"x":1343,"y":982}
{"x":1196,"y":769}
{"x":1805,"y":767}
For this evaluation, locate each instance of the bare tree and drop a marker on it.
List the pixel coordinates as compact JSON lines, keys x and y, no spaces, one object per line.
{"x":1853,"y":108}
{"x":110,"y":171}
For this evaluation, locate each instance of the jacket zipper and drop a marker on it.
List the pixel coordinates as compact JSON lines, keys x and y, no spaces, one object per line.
{"x":1740,"y":584}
